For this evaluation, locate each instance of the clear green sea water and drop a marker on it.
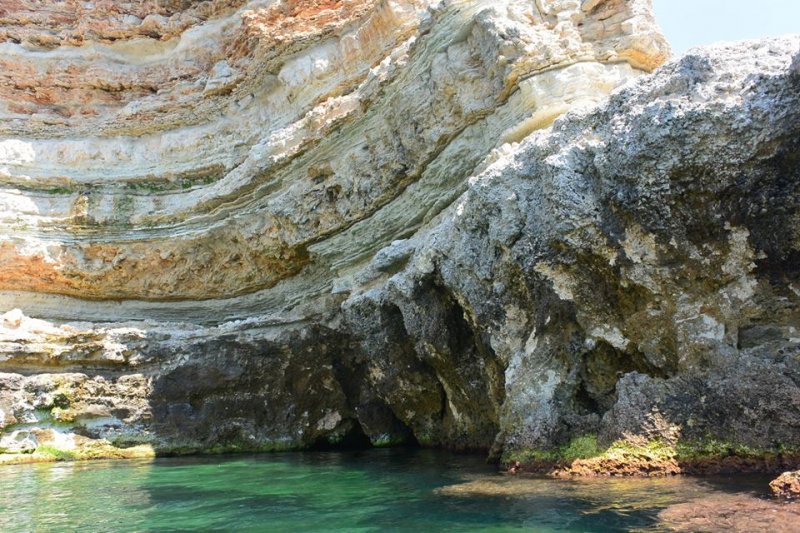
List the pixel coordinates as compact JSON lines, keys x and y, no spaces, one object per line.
{"x":376,"y":490}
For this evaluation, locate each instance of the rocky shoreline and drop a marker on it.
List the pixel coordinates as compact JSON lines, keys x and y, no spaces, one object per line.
{"x":644,"y":466}
{"x":486,"y":225}
{"x":620,"y":460}
{"x":582,"y":457}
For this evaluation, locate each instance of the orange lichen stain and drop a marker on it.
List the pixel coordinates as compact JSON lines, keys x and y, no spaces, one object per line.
{"x":293,"y":19}
{"x":26,"y":272}
{"x":646,"y":60}
{"x":52,"y":23}
{"x":68,"y":88}
{"x":105,"y":271}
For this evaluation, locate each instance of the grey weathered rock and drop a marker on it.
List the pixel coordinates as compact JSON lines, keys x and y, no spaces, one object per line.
{"x":634,"y":269}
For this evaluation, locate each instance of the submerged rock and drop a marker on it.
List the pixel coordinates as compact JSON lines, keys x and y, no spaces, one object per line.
{"x":787,"y":485}
{"x":722,"y":513}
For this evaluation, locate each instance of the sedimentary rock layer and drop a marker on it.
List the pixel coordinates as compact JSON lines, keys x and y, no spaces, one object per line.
{"x":264,"y":225}
{"x":228,"y":149}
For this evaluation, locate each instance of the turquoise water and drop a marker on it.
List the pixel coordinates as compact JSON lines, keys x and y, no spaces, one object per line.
{"x":376,"y":490}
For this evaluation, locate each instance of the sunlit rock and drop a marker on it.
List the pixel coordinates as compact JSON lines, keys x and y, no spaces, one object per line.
{"x":242,"y":225}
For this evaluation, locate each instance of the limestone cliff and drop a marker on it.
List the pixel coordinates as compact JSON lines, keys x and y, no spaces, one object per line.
{"x":267,"y":225}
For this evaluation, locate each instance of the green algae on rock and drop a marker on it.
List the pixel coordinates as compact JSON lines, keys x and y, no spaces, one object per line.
{"x":583,"y":456}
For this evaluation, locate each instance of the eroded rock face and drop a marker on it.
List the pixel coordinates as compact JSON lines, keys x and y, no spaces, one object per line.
{"x":720,"y":513}
{"x":635,"y":266}
{"x":272,"y":129}
{"x":248,"y":225}
{"x":195,"y":198}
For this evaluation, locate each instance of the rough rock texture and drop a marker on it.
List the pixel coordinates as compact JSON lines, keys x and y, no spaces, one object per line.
{"x":787,"y":485}
{"x":735,"y":512}
{"x":266,"y":225}
{"x":196,"y":198}
{"x":272,"y":129}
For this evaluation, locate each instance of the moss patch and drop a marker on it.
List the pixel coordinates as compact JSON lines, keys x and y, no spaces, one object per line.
{"x":97,"y":449}
{"x":583,"y":447}
{"x":583,"y":456}
{"x":104,"y":450}
{"x":56,"y":454}
{"x":712,"y":448}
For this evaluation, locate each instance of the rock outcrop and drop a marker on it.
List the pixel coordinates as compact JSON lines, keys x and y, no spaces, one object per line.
{"x":249,"y":225}
{"x":787,"y":485}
